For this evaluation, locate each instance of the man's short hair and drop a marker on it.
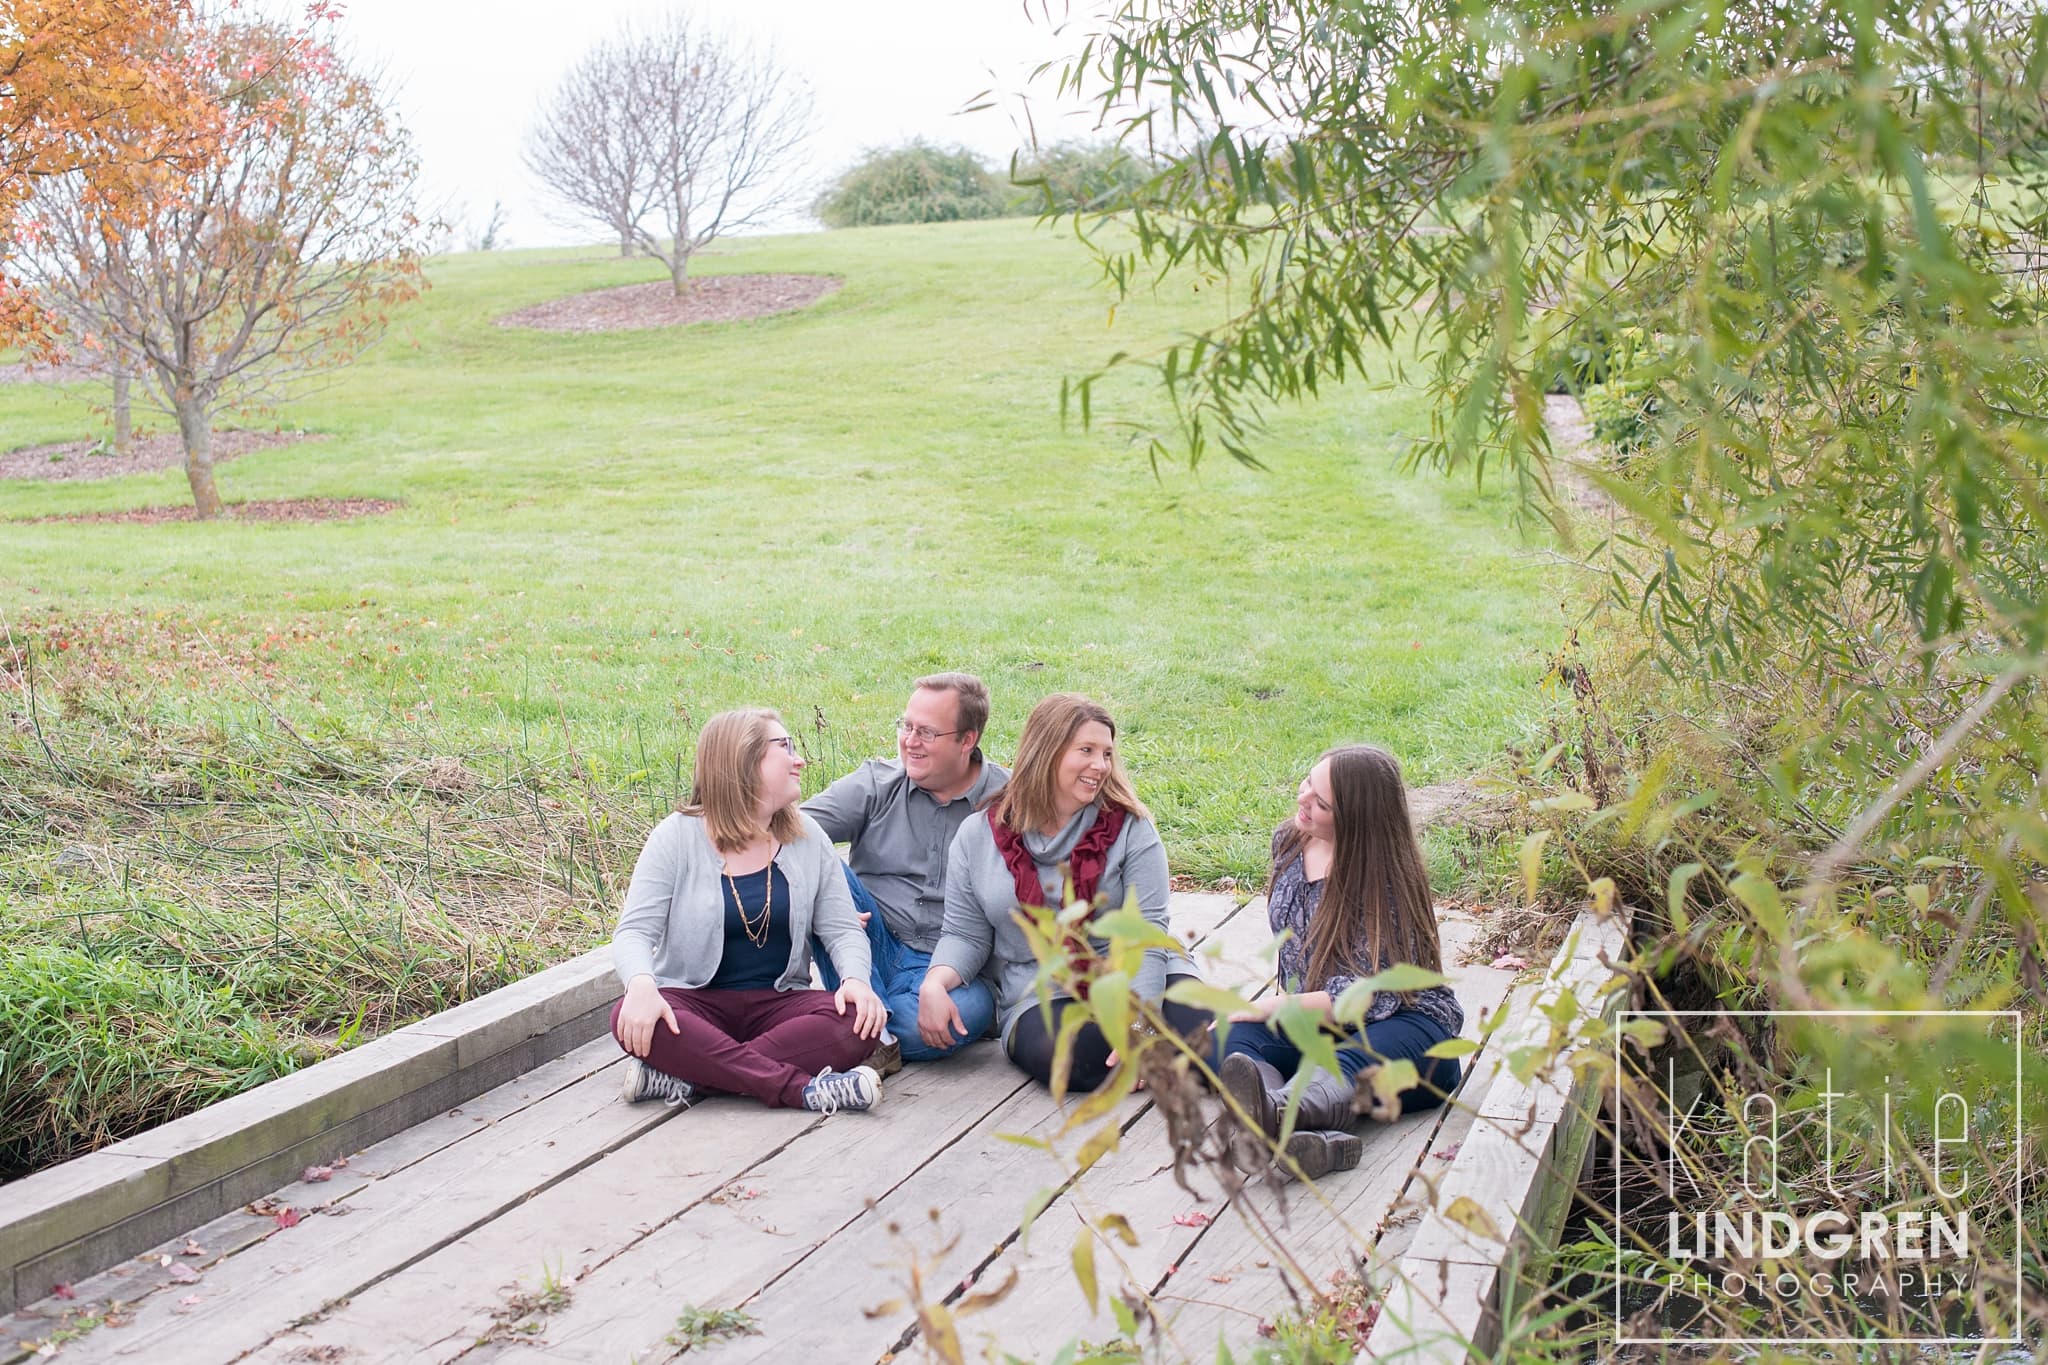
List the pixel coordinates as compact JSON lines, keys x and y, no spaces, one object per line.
{"x":969,"y":694}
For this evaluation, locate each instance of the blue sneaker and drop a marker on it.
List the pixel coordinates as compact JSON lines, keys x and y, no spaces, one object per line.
{"x":833,"y":1091}
{"x":643,"y":1082}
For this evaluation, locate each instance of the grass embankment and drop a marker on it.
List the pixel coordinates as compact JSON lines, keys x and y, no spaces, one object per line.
{"x":607,"y":539}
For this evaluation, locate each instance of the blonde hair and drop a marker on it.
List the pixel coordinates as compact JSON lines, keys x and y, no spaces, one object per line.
{"x":725,"y":784}
{"x":1028,"y":802}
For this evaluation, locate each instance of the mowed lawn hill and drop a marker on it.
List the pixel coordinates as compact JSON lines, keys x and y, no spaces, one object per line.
{"x":277,"y":788}
{"x":628,"y":532}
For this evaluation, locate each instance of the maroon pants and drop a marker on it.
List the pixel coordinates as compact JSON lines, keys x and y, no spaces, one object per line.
{"x":768,"y":1044}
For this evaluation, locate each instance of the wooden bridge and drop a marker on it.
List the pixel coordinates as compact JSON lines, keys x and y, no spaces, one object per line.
{"x":477,"y":1191}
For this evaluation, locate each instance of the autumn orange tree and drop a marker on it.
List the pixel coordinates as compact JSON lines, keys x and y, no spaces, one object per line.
{"x":230,"y":282}
{"x":98,"y":90}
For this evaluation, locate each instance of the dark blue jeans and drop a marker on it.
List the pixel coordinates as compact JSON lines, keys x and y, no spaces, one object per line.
{"x":1408,"y":1034}
{"x":897,"y":974}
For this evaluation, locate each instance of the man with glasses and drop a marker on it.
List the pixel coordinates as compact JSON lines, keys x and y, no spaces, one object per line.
{"x":899,"y":817}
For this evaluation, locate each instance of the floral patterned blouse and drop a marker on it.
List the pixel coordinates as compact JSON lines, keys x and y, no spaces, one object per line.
{"x":1291,"y":903}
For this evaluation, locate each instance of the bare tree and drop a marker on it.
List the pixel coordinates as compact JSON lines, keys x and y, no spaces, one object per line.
{"x":585,"y":144}
{"x":672,"y":136}
{"x":281,"y":255}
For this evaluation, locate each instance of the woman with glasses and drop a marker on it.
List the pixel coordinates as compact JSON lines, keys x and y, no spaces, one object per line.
{"x":1068,"y":807}
{"x":713,"y":946}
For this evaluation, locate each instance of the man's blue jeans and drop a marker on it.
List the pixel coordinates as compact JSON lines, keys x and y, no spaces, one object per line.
{"x":898,"y":973}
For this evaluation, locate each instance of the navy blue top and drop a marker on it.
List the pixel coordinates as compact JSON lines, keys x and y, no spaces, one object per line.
{"x":743,"y":966}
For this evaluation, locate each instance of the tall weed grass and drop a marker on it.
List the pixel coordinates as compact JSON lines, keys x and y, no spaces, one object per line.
{"x":192,"y":907}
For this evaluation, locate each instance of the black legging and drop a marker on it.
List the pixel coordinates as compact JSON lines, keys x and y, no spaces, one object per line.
{"x":1031,"y":1042}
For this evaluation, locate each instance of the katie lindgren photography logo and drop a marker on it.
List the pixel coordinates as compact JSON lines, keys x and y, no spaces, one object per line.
{"x":1847,"y":1200}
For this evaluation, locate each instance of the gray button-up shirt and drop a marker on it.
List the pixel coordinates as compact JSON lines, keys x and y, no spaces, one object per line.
{"x":900,"y":834}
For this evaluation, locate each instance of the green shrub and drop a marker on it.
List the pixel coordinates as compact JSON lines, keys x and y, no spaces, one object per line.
{"x":1621,"y":412}
{"x":914,"y":183}
{"x":1077,"y":175}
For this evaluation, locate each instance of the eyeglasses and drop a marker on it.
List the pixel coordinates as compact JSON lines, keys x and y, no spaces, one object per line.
{"x":923,"y":732}
{"x":785,"y":743}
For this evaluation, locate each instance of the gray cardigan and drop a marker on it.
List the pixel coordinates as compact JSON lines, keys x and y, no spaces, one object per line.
{"x":981,"y":935}
{"x":673,"y":927}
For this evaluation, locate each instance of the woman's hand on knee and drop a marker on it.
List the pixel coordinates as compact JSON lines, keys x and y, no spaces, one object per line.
{"x":645,"y":1008}
{"x":938,"y":1018}
{"x":869,"y":1013}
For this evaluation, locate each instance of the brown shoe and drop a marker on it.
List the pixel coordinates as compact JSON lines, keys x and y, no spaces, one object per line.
{"x":1314,"y":1153}
{"x":887,"y":1059}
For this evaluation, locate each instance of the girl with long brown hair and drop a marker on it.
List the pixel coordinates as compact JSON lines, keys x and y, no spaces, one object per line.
{"x":1069,"y":810}
{"x":1350,"y":896}
{"x":714,"y":943}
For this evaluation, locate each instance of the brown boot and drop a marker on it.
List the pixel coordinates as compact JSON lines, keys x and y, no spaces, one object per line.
{"x":1326,"y":1104}
{"x":1258,"y":1088}
{"x":1320,"y":1143}
{"x":1314,"y":1153}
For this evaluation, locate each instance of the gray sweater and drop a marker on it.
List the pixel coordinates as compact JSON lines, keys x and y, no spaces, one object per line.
{"x":673,"y":927}
{"x":981,"y":935}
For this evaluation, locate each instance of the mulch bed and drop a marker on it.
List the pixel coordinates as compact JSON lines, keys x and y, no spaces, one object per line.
{"x":47,"y":374}
{"x":66,"y":460}
{"x":710,"y":298}
{"x":261,"y":509}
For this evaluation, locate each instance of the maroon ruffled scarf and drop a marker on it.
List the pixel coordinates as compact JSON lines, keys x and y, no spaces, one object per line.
{"x":1084,"y":864}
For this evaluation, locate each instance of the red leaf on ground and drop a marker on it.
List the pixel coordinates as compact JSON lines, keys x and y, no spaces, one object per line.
{"x":339,"y":1162}
{"x":287,"y":1217}
{"x":1510,"y":962}
{"x":1194,"y":1218}
{"x":1447,"y":1153}
{"x":190,"y":1300}
{"x":184,"y":1274}
{"x":313,"y":1175}
{"x":192,"y":1248}
{"x":63,"y":1291}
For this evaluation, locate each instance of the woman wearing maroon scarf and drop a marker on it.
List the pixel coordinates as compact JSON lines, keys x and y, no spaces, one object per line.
{"x":1068,"y":810}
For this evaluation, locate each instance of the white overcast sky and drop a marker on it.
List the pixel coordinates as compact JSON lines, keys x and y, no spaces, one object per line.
{"x":468,"y":76}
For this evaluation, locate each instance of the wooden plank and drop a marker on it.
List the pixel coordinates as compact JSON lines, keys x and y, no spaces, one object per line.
{"x":978,"y":1183}
{"x":122,"y":1288}
{"x":66,"y":1224}
{"x":1233,"y":1278}
{"x":443,"y":1304}
{"x":1334,"y":1228}
{"x":394,"y":1222}
{"x":1430,"y":1313}
{"x":1046,"y":1308}
{"x":1196,"y":914}
{"x":1531,"y":1136}
{"x":725,"y":1253}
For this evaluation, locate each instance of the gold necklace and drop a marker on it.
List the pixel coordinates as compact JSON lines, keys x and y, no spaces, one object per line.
{"x":756,"y":935}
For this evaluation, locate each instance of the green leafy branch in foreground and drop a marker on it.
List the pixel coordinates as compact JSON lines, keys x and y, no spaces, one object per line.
{"x":1824,"y":223}
{"x":1809,"y":243}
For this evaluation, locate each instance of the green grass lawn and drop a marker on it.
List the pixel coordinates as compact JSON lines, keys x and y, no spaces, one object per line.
{"x":637,"y":530}
{"x":605,"y":539}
